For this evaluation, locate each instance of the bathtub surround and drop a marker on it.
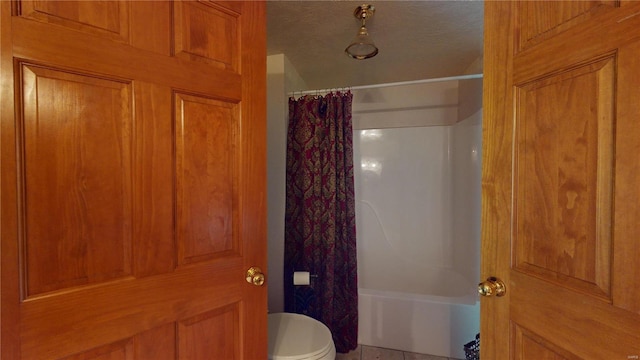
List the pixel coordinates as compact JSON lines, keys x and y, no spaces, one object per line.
{"x":417,"y":206}
{"x":320,"y":229}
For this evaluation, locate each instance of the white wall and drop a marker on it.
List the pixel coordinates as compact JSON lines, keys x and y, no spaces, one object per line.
{"x":281,"y":79}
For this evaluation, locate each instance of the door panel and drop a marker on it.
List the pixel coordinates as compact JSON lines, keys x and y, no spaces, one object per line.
{"x":540,"y":20}
{"x":207,"y":336}
{"x":563,"y":176}
{"x":132,"y":179}
{"x":107,"y":19}
{"x":216,"y":29}
{"x":77,"y":155}
{"x":206,"y":155}
{"x":560,"y":180}
{"x":530,"y":346}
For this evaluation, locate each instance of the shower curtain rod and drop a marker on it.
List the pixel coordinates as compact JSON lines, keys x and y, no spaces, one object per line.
{"x":374,"y":86}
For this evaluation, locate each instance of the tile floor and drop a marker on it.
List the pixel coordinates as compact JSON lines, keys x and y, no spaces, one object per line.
{"x":364,"y":352}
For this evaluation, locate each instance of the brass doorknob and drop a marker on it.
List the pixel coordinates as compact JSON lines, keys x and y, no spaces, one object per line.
{"x":255,"y":276}
{"x":492,"y":286}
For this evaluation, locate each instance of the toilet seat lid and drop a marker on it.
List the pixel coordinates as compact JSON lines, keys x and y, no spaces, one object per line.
{"x":295,"y":336}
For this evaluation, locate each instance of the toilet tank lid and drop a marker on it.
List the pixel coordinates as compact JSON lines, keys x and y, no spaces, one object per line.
{"x":295,"y":336}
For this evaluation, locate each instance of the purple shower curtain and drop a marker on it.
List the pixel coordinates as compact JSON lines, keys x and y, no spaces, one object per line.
{"x":320,"y":230}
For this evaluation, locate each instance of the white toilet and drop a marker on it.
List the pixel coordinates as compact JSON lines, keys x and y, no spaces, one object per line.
{"x":299,"y":337}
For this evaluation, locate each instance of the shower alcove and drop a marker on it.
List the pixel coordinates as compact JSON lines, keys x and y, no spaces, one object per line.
{"x":417,"y":151}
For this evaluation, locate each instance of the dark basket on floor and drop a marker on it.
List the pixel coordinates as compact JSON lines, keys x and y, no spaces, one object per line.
{"x":472,"y":349}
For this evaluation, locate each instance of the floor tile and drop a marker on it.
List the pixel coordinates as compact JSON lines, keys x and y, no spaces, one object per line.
{"x":414,"y":356}
{"x":352,"y":355}
{"x":375,"y":353}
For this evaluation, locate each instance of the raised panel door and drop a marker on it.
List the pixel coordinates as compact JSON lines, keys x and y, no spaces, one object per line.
{"x":132,"y":180}
{"x":560,"y":209}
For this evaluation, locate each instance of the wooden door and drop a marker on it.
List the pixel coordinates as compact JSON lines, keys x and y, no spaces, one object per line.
{"x":132,"y":180}
{"x":561,"y":180}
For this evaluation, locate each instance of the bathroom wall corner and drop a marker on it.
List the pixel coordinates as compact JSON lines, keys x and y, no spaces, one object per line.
{"x":282,"y":78}
{"x":470,"y":95}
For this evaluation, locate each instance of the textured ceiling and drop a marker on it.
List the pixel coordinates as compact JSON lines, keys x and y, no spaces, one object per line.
{"x":417,"y":40}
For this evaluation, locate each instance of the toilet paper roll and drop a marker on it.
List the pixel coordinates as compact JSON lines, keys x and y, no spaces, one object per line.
{"x":301,"y":278}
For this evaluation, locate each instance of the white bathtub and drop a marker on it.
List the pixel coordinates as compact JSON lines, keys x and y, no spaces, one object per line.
{"x":437,"y":324}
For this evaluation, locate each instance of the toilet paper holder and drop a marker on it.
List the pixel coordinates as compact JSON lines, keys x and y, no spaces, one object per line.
{"x":303,"y":278}
{"x":303,"y":292}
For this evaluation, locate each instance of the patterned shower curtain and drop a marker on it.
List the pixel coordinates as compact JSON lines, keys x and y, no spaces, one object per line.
{"x":320,"y":230}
